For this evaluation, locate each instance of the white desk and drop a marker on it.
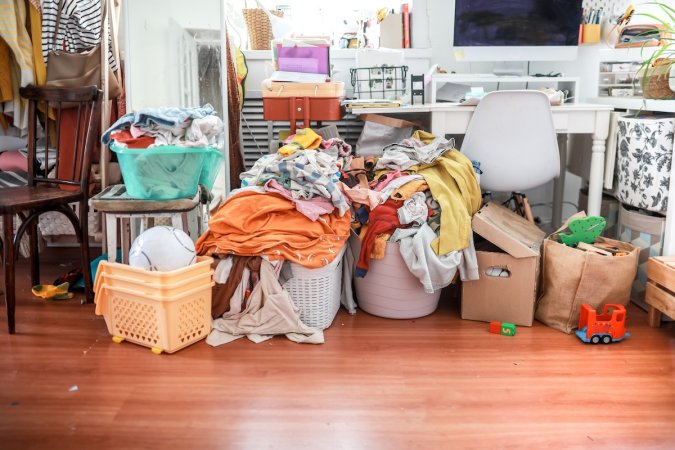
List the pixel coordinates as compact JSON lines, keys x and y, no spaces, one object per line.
{"x":569,"y":118}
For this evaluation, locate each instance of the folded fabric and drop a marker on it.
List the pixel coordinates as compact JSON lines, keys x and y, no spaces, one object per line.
{"x":254,"y":224}
{"x":125,"y":138}
{"x":304,"y":139}
{"x":11,"y":142}
{"x":413,"y":151}
{"x":168,"y":117}
{"x":407,"y":190}
{"x":13,"y":161}
{"x":312,"y":208}
{"x":269,"y":311}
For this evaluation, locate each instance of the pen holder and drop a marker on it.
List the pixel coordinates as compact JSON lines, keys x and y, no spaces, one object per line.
{"x":590,"y":33}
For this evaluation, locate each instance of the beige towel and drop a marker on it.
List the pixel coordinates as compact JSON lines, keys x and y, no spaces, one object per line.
{"x":270,"y":311}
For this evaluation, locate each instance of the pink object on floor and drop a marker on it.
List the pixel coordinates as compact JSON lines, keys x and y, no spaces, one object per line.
{"x":13,"y":161}
{"x":389,"y":289}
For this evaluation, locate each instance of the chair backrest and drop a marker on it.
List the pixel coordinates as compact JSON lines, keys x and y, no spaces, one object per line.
{"x":70,"y":133}
{"x":511,"y":135}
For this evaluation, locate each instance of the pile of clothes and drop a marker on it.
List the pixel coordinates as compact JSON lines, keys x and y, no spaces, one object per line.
{"x":290,"y":209}
{"x":301,"y":204}
{"x":152,"y":127}
{"x":421,"y":192}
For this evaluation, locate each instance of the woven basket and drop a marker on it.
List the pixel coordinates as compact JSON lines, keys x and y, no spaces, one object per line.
{"x":259,"y":27}
{"x":316,"y":292}
{"x":656,"y":83}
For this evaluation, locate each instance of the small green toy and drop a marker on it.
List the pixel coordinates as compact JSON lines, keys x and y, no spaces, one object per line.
{"x":584,"y":229}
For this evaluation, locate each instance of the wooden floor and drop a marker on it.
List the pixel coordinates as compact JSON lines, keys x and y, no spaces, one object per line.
{"x":436,"y":382}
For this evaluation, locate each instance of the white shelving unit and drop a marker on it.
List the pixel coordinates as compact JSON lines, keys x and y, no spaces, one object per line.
{"x":500,"y":82}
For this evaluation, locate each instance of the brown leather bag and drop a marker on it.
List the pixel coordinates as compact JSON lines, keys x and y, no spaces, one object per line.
{"x":78,"y":69}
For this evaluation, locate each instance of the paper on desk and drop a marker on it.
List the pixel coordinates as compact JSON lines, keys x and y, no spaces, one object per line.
{"x":298,"y":77}
{"x":452,"y":92}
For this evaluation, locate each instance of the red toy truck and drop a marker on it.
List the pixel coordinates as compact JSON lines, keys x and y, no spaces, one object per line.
{"x":610,"y":326}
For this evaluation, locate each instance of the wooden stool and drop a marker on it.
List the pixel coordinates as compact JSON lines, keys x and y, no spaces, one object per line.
{"x":660,"y":293}
{"x":116,"y":204}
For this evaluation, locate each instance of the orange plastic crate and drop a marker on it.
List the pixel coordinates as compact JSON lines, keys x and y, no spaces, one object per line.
{"x":165,"y":311}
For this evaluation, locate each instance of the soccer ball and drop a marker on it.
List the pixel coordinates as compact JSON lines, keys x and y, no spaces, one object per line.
{"x":162,"y":249}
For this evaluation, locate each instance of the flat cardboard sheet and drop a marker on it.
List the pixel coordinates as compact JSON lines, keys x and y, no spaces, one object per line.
{"x":508,"y":231}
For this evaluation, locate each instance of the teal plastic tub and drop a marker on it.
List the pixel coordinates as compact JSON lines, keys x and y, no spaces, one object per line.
{"x":162,"y":173}
{"x":212,"y":164}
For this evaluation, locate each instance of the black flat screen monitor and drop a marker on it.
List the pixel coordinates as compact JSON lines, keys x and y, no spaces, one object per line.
{"x":517,"y":23}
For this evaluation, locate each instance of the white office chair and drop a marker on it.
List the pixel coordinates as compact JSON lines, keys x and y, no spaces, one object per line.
{"x":511,"y":135}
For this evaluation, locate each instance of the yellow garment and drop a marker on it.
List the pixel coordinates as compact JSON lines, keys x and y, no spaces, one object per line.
{"x":59,"y":292}
{"x":453,"y":184}
{"x":263,"y":224}
{"x":40,"y":67}
{"x":380,"y":246}
{"x":13,"y":31}
{"x":304,"y":139}
{"x":6,"y":93}
{"x":423,"y":136}
{"x":407,"y":190}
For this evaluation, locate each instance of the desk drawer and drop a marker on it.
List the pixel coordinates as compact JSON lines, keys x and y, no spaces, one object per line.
{"x":300,"y":108}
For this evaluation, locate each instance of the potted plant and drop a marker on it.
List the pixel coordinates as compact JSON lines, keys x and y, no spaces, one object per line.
{"x":657,"y":71}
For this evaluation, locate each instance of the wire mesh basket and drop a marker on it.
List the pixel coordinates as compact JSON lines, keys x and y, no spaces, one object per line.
{"x":379,"y":83}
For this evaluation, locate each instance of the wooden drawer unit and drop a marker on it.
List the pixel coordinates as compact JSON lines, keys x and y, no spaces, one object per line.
{"x":660,"y":294}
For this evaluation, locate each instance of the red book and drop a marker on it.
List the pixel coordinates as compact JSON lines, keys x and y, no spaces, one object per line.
{"x":405,"y":12}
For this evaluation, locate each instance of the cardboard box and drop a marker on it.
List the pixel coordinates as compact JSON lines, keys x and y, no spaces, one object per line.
{"x":513,"y":245}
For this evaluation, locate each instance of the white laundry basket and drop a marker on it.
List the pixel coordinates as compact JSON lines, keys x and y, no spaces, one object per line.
{"x":316,"y":292}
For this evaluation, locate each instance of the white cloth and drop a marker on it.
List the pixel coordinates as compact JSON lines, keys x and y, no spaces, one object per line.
{"x":269,"y":311}
{"x":414,"y":210}
{"x":411,"y":152}
{"x":434,"y":272}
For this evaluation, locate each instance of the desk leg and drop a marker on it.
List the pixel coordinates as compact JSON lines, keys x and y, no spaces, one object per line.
{"x":559,"y":183}
{"x":596,"y":177}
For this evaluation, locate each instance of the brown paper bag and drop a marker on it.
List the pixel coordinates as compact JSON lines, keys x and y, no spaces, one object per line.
{"x":572,"y":277}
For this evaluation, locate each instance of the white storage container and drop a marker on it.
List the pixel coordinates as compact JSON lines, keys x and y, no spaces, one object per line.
{"x":390,"y":290}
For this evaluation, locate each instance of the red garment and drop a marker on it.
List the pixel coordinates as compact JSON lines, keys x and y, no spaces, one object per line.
{"x":125,"y":137}
{"x":383,"y":219}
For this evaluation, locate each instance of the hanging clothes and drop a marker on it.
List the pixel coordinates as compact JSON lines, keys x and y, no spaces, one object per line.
{"x":36,"y":38}
{"x":234,"y":103}
{"x":13,"y":32}
{"x":79,"y":27}
{"x":6,"y":92}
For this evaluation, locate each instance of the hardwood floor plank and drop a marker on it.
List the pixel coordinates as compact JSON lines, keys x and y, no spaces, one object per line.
{"x":434,"y":382}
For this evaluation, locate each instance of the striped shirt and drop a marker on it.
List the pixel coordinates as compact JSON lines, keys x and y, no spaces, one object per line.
{"x":79,"y":27}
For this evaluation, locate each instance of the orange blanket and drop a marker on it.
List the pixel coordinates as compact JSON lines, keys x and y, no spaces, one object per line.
{"x":256,"y":224}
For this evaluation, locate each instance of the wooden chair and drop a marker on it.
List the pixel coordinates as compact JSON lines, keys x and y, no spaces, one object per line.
{"x":55,"y":189}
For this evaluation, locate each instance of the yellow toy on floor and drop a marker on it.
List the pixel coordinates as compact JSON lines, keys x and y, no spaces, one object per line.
{"x":48,"y":291}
